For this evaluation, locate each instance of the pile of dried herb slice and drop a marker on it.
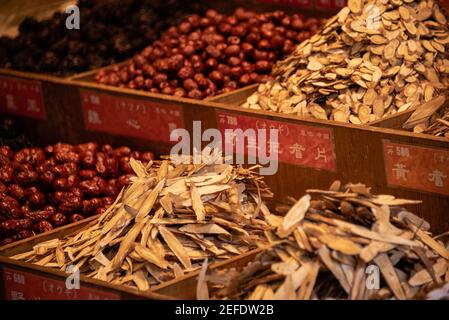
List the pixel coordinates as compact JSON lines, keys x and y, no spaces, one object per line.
{"x":170,"y":219}
{"x":333,"y":246}
{"x":373,"y":59}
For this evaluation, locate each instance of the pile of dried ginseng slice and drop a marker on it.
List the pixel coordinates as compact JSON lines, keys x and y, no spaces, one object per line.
{"x":333,"y":247}
{"x":170,"y":219}
{"x":373,"y":59}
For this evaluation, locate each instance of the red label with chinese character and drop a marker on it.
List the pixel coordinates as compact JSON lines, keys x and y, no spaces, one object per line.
{"x":130,"y":117}
{"x":416,"y":167}
{"x":21,"y":97}
{"x":296,"y":3}
{"x":20,"y":285}
{"x":302,"y":145}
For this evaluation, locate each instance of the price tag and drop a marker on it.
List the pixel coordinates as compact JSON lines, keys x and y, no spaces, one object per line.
{"x":21,"y":285}
{"x":21,"y":97}
{"x":415,"y":167}
{"x":307,"y":146}
{"x":295,"y":3}
{"x":130,"y":117}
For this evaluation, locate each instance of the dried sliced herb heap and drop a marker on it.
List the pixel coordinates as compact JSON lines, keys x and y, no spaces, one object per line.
{"x":323,"y":249}
{"x":431,"y":118}
{"x":165,"y":224}
{"x":373,"y":59}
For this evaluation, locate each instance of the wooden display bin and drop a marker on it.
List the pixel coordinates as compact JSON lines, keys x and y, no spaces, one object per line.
{"x":29,"y":281}
{"x":313,"y":153}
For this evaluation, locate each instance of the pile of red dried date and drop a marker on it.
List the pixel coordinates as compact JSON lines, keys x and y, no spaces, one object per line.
{"x":212,"y":54}
{"x":44,"y":188}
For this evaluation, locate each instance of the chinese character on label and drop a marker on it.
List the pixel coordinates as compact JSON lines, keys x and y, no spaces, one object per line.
{"x":297,"y":150}
{"x":19,"y":278}
{"x":134,"y":124}
{"x":10,"y":104}
{"x":94,"y":99}
{"x":232,"y":120}
{"x":437,"y":177}
{"x":321,"y":154}
{"x":403,"y":152}
{"x":93,"y":117}
{"x":400,"y":171}
{"x":32,"y":105}
{"x":390,"y":150}
{"x":16,"y":295}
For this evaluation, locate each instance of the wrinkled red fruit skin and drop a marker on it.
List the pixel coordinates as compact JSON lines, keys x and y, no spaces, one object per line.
{"x":213,"y":54}
{"x":45,"y":188}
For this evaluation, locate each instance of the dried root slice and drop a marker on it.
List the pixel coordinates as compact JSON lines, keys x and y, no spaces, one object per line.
{"x":371,"y":60}
{"x":336,"y":249}
{"x":170,"y":219}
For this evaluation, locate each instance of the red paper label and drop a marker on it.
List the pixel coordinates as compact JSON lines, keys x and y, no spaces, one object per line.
{"x":307,"y":146}
{"x":130,"y":117}
{"x":414,"y":167}
{"x":20,"y":285}
{"x":21,"y":97}
{"x":296,"y":3}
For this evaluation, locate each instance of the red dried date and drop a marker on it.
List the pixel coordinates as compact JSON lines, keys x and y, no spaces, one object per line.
{"x":124,"y":180}
{"x":23,"y":235}
{"x":58,"y":219}
{"x":3,"y":188}
{"x":66,"y":169}
{"x":124,"y":165}
{"x":61,"y":184}
{"x":91,"y":205}
{"x":111,"y":188}
{"x":107,"y":201}
{"x":27,"y":177}
{"x":100,"y":211}
{"x":7,"y":174}
{"x":71,"y":203}
{"x":36,"y":216}
{"x":87,"y":174}
{"x":17,"y":192}
{"x":72,"y":181}
{"x":147,"y":157}
{"x":43,"y":226}
{"x":75,"y":218}
{"x":32,"y":156}
{"x":89,"y":187}
{"x":9,"y":207}
{"x":47,"y":177}
{"x":67,"y":156}
{"x":112,"y":166}
{"x":88,"y":160}
{"x":122,"y":151}
{"x":100,"y":165}
{"x":50,"y":209}
{"x":89,"y":146}
{"x":36,"y":199}
{"x":7,"y":152}
{"x":13,"y":226}
{"x":25,"y":209}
